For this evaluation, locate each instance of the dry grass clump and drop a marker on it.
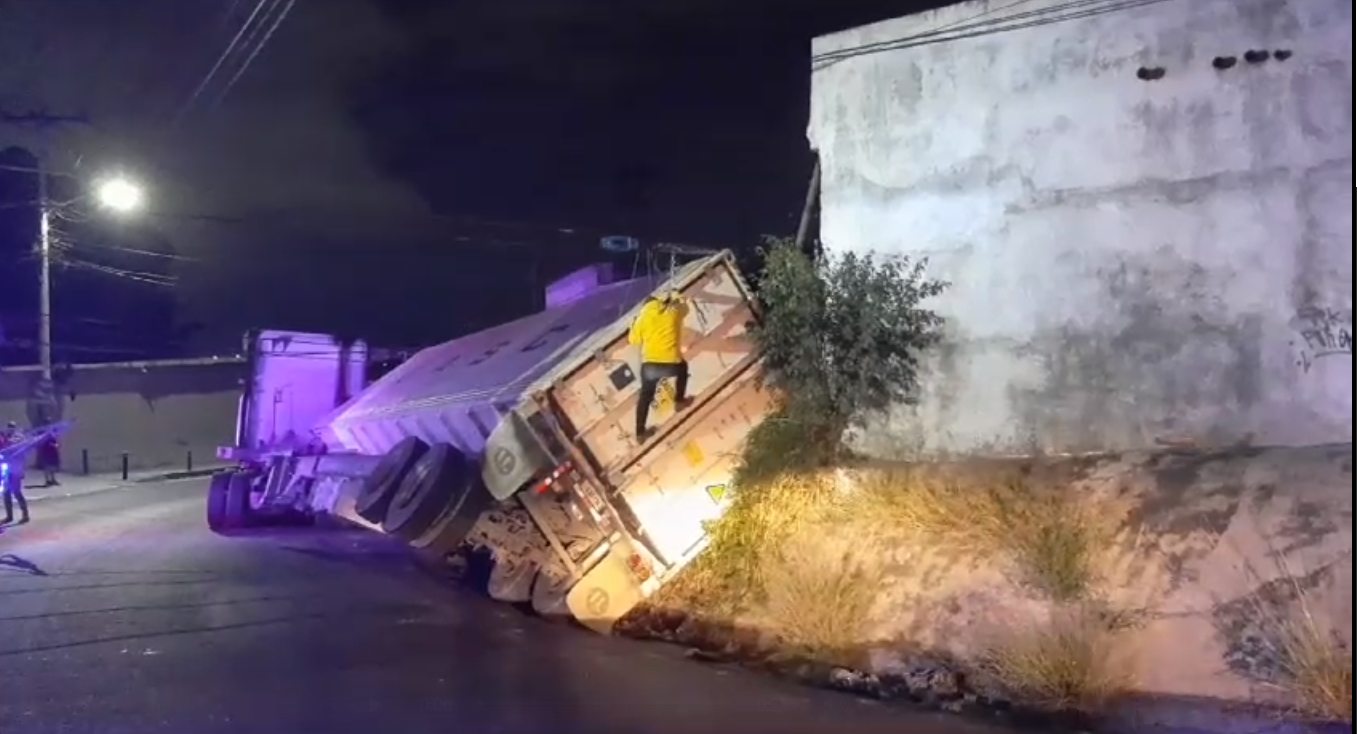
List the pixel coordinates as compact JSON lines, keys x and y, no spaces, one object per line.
{"x":1319,"y":671}
{"x":1056,"y":539}
{"x":817,"y":604}
{"x":1315,"y":660}
{"x":763,"y":516}
{"x":1082,"y":661}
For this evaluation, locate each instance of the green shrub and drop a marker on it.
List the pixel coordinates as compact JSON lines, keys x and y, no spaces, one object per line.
{"x":841,"y":338}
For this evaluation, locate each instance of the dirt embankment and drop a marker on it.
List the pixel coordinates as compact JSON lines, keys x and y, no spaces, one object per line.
{"x":1199,"y":590}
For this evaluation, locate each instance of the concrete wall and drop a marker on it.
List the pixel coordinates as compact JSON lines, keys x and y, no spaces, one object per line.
{"x":156,"y":412}
{"x":1134,"y":262}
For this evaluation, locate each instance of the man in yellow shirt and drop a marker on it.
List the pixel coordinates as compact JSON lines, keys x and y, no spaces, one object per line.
{"x":658,"y":331}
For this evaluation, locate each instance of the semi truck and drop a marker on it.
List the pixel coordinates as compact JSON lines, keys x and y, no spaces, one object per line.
{"x":516,"y":443}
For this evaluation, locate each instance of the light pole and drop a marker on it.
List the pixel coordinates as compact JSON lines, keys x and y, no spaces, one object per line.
{"x":115,"y":193}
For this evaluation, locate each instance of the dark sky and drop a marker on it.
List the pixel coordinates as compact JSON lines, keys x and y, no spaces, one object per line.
{"x":403,"y":169}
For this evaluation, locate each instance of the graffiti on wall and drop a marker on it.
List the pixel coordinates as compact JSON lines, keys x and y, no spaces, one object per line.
{"x":1324,"y":332}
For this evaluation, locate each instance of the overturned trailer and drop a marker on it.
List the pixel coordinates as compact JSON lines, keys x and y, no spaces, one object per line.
{"x":518,"y":440}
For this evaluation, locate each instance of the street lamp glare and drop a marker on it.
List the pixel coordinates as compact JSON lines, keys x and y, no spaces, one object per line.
{"x":119,"y":194}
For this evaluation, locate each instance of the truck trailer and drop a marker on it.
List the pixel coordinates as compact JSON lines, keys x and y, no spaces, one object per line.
{"x":517,"y":442}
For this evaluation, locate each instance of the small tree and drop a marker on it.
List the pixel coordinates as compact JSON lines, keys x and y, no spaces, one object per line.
{"x":841,"y":338}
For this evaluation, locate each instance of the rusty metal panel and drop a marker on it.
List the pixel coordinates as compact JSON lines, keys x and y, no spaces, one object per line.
{"x":598,"y":398}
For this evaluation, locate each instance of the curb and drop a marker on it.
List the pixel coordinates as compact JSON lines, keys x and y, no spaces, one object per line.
{"x":159,"y":478}
{"x":170,"y":476}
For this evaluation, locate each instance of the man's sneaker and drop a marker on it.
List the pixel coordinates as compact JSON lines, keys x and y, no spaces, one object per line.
{"x":682,"y":404}
{"x":644,"y":435}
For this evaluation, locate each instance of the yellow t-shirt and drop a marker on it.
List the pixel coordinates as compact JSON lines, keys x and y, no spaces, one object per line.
{"x":658,"y":330}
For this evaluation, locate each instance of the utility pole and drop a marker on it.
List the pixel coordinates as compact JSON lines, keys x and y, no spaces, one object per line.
{"x":43,"y":405}
{"x":44,"y":275}
{"x":808,"y":209}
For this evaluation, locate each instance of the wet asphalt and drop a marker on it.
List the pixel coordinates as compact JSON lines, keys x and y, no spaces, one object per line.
{"x":121,"y":613}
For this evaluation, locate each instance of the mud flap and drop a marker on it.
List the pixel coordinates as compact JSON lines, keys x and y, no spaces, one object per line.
{"x":550,"y":587}
{"x":511,"y":580}
{"x":606,"y":593}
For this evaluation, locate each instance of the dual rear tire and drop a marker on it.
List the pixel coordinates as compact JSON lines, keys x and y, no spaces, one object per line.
{"x":228,"y":502}
{"x":229,"y":506}
{"x":425,"y":495}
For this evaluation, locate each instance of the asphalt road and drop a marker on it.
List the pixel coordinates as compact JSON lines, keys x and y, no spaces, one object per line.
{"x":120,"y":613}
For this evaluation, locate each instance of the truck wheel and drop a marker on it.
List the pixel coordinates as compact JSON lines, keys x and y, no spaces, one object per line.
{"x":217,"y":501}
{"x":443,"y":487}
{"x":381,"y":485}
{"x":238,"y":513}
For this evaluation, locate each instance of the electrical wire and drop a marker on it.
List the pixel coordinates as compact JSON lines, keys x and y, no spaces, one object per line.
{"x":187,"y":106}
{"x":258,"y":49}
{"x":973,"y":28}
{"x":132,"y":251}
{"x":63,"y":255}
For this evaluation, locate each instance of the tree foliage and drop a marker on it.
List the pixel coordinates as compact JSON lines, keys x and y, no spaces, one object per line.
{"x":842,"y":338}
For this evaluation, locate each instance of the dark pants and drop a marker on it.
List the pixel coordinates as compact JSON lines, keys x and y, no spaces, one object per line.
{"x":651,"y":374}
{"x":14,"y":490}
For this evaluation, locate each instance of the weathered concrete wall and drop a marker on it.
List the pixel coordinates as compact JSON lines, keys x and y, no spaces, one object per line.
{"x":155,"y":413}
{"x":1214,"y":550}
{"x":1133,"y":261}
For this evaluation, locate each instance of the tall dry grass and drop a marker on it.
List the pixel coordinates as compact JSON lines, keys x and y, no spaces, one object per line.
{"x":818,"y":603}
{"x":1056,"y":540}
{"x":1314,"y":655}
{"x":763,"y":518}
{"x":1081,"y":660}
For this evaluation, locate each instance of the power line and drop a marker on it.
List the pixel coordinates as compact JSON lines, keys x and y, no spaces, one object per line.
{"x":258,"y":49}
{"x":973,"y":28}
{"x":216,"y":67}
{"x":140,"y":277}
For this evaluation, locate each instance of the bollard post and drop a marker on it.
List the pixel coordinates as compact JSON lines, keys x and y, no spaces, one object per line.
{"x":85,"y":462}
{"x":188,"y":460}
{"x":124,"y":466}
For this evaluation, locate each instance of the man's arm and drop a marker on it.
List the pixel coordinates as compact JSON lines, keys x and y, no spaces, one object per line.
{"x":637,"y":326}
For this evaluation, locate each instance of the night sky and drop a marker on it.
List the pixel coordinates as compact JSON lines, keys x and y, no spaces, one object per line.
{"x":404,"y":170}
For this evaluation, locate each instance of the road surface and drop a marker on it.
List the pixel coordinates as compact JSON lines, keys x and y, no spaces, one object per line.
{"x":120,"y":613}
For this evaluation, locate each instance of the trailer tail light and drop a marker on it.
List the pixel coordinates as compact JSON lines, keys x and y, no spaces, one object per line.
{"x":554,"y":479}
{"x":638,"y":566}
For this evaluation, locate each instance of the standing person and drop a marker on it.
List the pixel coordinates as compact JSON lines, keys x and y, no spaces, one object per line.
{"x":13,"y":477}
{"x":658,"y":331}
{"x":49,"y":460}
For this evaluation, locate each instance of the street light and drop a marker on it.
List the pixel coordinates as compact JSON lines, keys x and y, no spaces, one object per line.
{"x":119,"y":194}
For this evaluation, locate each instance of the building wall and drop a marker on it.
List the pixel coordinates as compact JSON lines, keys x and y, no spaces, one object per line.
{"x":156,"y":413}
{"x":1133,"y":262}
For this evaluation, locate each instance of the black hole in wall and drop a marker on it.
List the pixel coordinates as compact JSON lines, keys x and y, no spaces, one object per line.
{"x":1150,"y":74}
{"x":1256,"y":57}
{"x":1281,"y":54}
{"x":1224,"y":62}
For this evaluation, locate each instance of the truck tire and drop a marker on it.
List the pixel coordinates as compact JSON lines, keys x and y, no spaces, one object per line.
{"x":228,"y":501}
{"x":238,"y":513}
{"x":443,"y":487}
{"x":381,"y":485}
{"x":216,"y":501}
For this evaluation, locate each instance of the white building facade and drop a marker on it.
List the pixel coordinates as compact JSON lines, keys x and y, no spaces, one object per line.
{"x":1146,"y":215}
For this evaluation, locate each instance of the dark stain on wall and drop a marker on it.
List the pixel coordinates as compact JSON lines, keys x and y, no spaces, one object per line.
{"x":1165,"y":345}
{"x":1250,"y":630}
